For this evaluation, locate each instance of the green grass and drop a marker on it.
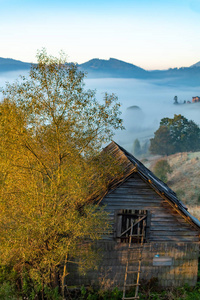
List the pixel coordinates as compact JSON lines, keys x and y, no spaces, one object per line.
{"x":146,"y":293}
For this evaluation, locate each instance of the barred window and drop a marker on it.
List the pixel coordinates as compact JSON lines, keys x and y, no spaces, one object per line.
{"x":138,"y":220}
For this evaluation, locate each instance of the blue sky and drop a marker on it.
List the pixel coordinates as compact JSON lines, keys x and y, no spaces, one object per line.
{"x":153,"y":34}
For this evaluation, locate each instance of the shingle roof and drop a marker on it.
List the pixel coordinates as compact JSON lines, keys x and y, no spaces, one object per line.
{"x":130,"y":164}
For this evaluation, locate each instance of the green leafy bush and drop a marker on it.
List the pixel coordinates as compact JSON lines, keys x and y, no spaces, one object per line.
{"x":7,"y":291}
{"x":161,"y":169}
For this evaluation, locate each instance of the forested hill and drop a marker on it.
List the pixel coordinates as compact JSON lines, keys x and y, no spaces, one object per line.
{"x":9,"y":64}
{"x":114,"y":68}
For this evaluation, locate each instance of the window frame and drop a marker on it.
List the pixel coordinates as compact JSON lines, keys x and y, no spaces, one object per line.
{"x":124,"y":219}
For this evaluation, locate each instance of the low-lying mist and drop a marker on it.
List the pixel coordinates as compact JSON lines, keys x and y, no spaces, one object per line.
{"x":143,"y":103}
{"x":11,"y":76}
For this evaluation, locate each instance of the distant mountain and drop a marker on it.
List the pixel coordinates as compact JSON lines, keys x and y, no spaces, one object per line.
{"x":195,"y":65}
{"x":178,"y":76}
{"x":9,"y":64}
{"x":112,"y":68}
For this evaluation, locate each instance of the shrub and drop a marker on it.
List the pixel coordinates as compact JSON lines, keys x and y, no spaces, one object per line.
{"x":161,"y":169}
{"x":7,"y":291}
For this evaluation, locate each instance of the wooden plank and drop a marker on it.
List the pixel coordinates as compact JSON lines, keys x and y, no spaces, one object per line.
{"x":130,"y":215}
{"x":165,"y":223}
{"x":159,"y":211}
{"x":173,"y":233}
{"x":110,"y":207}
{"x":174,"y":239}
{"x":138,"y":187}
{"x":134,"y":177}
{"x":121,"y":193}
{"x":135,"y":191}
{"x":164,"y":220}
{"x":168,"y":217}
{"x":162,"y":215}
{"x":171,"y":229}
{"x":133,"y":196}
{"x":119,"y":225}
{"x":135,"y":202}
{"x":141,"y":204}
{"x":135,"y":184}
{"x":148,"y":225}
{"x":128,"y":206}
{"x":135,"y":180}
{"x":133,"y":225}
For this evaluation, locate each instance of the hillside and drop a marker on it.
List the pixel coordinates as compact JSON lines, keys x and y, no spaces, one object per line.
{"x":178,"y":76}
{"x":8,"y":64}
{"x":114,"y":68}
{"x":196,"y":65}
{"x":184,"y":179}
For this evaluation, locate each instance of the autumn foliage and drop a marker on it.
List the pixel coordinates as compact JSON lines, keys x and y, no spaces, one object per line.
{"x":51,"y":173}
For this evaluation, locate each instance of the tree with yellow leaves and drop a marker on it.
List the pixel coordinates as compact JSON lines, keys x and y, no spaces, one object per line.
{"x":51,"y":172}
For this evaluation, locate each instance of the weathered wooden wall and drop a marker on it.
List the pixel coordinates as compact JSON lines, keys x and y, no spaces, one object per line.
{"x":166,"y":224}
{"x":170,"y":235}
{"x":112,"y":269}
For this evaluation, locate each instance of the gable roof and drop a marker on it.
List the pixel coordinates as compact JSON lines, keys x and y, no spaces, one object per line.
{"x":130,"y":164}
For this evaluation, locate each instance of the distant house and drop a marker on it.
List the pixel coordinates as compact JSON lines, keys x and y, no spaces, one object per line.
{"x":141,"y":205}
{"x":195,"y":99}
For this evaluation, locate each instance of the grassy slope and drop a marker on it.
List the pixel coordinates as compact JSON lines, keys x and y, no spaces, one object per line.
{"x":184,"y":179}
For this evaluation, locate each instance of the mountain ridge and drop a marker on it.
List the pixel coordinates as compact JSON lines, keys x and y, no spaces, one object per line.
{"x":115,"y":68}
{"x":195,"y":65}
{"x":112,"y":67}
{"x":112,"y":61}
{"x":9,"y":64}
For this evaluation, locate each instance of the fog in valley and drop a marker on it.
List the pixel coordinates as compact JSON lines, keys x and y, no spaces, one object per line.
{"x":143,"y":103}
{"x":11,"y":76}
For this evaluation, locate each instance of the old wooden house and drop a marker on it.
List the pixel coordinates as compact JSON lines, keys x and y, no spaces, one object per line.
{"x":145,"y":214}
